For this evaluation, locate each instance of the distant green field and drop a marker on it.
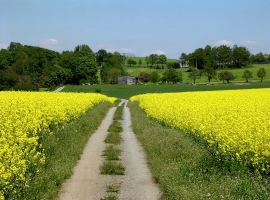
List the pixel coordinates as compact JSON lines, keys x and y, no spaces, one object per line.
{"x":135,"y":71}
{"x":126,"y":91}
{"x":143,"y":65}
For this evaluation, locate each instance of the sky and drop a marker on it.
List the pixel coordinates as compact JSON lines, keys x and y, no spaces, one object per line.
{"x":136,"y":27}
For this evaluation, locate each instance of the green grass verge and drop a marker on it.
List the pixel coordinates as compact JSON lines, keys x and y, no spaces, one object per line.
{"x":110,"y":197}
{"x":185,"y":169}
{"x":115,"y":128}
{"x":112,"y":168}
{"x":118,"y":115}
{"x":113,"y":188}
{"x":63,"y":149}
{"x":112,"y":153}
{"x":114,"y":133}
{"x":126,"y":91}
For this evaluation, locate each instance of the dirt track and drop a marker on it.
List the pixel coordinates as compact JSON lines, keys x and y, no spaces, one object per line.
{"x":87,"y":182}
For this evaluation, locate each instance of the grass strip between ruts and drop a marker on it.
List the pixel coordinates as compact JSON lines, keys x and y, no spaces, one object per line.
{"x":111,"y":166}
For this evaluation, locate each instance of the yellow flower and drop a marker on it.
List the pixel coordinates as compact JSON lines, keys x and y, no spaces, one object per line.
{"x":235,"y":122}
{"x":24,"y":117}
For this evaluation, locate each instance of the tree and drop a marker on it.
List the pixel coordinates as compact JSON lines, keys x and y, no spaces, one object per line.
{"x":83,"y":49}
{"x":113,"y":60}
{"x":153,"y":59}
{"x":5,"y":59}
{"x":171,"y":75}
{"x":140,"y":62}
{"x":198,"y":58}
{"x":261,"y":73}
{"x":174,"y":65}
{"x":8,"y":79}
{"x":67,"y":61}
{"x":85,"y":68}
{"x":113,"y":75}
{"x":247,"y":75}
{"x":58,"y":75}
{"x":266,"y":56}
{"x":162,"y":59}
{"x":228,"y":76}
{"x":147,"y":60}
{"x":221,"y":77}
{"x":130,"y":62}
{"x":223,"y":56}
{"x":154,"y":77}
{"x":144,"y":77}
{"x":210,"y":73}
{"x":194,"y":74}
{"x":14,"y":45}
{"x":211,"y":54}
{"x":101,"y":56}
{"x":253,"y":58}
{"x":22,"y":61}
{"x":260,"y":57}
{"x":240,"y":56}
{"x":183,"y":56}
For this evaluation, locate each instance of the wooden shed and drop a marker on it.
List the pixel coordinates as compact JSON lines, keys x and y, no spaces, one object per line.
{"x":129,"y":80}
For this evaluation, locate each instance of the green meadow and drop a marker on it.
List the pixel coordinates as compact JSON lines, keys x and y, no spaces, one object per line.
{"x":126,"y":91}
{"x":135,"y":71}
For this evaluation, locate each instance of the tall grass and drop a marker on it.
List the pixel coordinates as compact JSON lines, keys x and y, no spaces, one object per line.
{"x":185,"y":169}
{"x":63,"y":149}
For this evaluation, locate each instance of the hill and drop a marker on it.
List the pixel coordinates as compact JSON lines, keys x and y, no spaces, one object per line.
{"x":136,"y":69}
{"x":144,"y":63}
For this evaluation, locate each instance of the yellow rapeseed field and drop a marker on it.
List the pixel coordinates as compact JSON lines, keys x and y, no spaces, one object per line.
{"x":24,"y":117}
{"x":235,"y":123}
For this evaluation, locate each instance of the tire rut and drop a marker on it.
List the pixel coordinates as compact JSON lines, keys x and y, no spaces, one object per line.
{"x":87,"y":183}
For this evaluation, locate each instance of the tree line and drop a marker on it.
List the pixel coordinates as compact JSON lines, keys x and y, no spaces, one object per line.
{"x":24,"y":67}
{"x":205,"y":61}
{"x":222,"y":57}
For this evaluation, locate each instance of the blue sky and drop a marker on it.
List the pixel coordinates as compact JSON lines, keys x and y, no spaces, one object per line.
{"x":139,"y":27}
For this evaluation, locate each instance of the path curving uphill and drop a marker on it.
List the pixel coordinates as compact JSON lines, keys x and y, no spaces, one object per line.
{"x":59,"y":89}
{"x":87,"y":182}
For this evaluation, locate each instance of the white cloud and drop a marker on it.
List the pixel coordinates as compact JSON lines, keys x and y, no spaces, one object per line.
{"x":49,"y":42}
{"x":120,"y":50}
{"x":126,"y":50}
{"x":248,"y":43}
{"x":252,"y":46}
{"x":158,"y":52}
{"x":224,"y":42}
{"x":3,"y":46}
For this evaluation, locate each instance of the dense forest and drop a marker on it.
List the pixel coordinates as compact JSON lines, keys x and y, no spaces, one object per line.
{"x":24,"y":67}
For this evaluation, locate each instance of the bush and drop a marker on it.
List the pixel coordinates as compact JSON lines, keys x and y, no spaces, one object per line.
{"x":98,"y":90}
{"x":23,"y":86}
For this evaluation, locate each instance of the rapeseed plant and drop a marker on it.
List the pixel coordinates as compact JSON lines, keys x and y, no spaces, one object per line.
{"x":235,"y":123}
{"x":24,"y":118}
